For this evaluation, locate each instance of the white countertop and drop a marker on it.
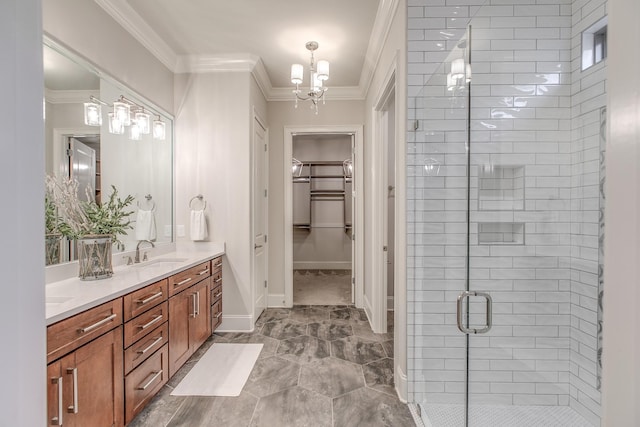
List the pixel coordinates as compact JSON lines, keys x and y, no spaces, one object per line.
{"x":72,"y":296}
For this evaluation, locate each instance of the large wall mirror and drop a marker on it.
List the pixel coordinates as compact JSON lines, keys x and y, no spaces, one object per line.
{"x":136,"y":163}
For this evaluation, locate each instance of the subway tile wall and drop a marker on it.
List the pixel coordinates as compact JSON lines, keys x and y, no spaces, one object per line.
{"x":534,"y":203}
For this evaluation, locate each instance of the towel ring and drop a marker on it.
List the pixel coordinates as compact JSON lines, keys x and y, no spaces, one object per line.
{"x":149,"y":200}
{"x":199,"y":197}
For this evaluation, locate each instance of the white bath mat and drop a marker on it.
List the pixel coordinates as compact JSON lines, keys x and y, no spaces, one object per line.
{"x":222,"y":371}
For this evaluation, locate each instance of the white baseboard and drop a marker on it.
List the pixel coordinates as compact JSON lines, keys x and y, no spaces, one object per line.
{"x":236,"y":323}
{"x":322,"y":265}
{"x":390,"y":303}
{"x":276,"y":300}
{"x":400,"y":379}
{"x":368,"y":309}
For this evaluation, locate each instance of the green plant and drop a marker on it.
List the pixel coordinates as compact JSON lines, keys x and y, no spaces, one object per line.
{"x":79,"y":218}
{"x":51,"y":217}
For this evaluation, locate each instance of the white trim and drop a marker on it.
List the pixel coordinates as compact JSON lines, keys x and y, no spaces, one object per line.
{"x":60,"y":140}
{"x":221,"y":63}
{"x":400,"y":380}
{"x":368,"y":308}
{"x":322,"y":265}
{"x":236,"y":323}
{"x":379,"y":33}
{"x":132,"y":22}
{"x":276,"y":300}
{"x":289,"y":132}
{"x":379,"y":195}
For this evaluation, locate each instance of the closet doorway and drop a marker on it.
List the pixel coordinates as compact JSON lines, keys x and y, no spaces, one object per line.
{"x":322,"y":217}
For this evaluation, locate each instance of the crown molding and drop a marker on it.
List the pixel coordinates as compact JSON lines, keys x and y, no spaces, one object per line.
{"x":131,"y":21}
{"x":381,"y":27}
{"x":69,"y":96}
{"x":216,"y":63}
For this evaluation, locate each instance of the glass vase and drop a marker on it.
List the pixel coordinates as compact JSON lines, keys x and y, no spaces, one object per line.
{"x":94,"y":257}
{"x":52,"y":248}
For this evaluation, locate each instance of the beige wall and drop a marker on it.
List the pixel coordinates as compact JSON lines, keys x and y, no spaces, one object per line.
{"x":283,"y":114}
{"x":621,"y":337}
{"x":87,"y":29}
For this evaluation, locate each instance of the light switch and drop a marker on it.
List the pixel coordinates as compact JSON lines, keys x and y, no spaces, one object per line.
{"x":167,"y":231}
{"x":180,"y":230}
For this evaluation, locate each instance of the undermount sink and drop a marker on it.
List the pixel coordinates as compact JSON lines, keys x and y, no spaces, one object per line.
{"x":160,"y":261}
{"x":56,"y":300}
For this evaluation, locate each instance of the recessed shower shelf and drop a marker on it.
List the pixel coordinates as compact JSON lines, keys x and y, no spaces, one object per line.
{"x":501,"y":233}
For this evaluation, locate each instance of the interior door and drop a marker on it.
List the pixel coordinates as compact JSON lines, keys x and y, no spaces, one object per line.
{"x":259,"y":214}
{"x":353,"y":219}
{"x":82,"y":161}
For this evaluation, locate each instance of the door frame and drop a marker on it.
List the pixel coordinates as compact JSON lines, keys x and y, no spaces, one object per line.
{"x":358,"y":227}
{"x":257,"y":119}
{"x":379,"y":193}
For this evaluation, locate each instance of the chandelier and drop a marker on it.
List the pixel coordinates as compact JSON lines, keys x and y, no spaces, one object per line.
{"x":318,"y":73}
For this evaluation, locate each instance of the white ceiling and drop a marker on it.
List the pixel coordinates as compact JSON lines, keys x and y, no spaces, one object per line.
{"x":270,"y":35}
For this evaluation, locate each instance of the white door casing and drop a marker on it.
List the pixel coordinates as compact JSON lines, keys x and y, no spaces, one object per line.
{"x":259,"y":216}
{"x":357,"y":207}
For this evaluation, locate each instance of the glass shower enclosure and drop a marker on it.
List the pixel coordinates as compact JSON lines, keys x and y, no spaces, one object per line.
{"x":506,"y":229}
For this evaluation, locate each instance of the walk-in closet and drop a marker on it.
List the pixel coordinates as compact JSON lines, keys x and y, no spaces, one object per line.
{"x":322,"y":219}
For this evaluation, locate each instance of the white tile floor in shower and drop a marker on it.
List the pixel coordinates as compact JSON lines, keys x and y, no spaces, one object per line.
{"x":439,"y":415}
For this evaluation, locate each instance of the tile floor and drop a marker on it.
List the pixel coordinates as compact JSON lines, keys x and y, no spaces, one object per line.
{"x":320,"y":366}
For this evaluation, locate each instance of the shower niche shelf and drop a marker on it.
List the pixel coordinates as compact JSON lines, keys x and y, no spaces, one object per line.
{"x":501,"y":233}
{"x":501,"y":188}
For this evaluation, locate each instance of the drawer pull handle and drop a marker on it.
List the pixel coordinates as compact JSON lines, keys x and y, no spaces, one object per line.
{"x":73,"y":409}
{"x":155,"y":319}
{"x":149,"y":298}
{"x":57,"y":421}
{"x":218,"y":280}
{"x":151,"y":380}
{"x":188,"y":279}
{"x":198,"y":303}
{"x":97,"y":324}
{"x":218,"y":315}
{"x":150,"y":346}
{"x":218,"y":295}
{"x":205,"y":271}
{"x":219,"y":264}
{"x":193,"y":306}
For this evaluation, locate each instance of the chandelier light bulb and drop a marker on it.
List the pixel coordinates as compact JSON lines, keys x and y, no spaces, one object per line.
{"x":123,"y":111}
{"x":159,"y":130}
{"x":142,"y":120}
{"x":297,"y":73}
{"x":457,"y":68}
{"x":134,"y":132}
{"x":323,"y":70}
{"x":116,"y":126}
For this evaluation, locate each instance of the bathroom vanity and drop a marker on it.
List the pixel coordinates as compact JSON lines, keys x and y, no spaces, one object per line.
{"x":112,"y":344}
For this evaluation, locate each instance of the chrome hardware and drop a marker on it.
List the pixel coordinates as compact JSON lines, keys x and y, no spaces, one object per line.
{"x":218,"y":280}
{"x":218,"y":264}
{"x":97,"y":324}
{"x":137,"y":260}
{"x":129,"y":260}
{"x":188,"y":279}
{"x":151,"y":322}
{"x":489,"y":320}
{"x":218,"y":315}
{"x":153,"y":378}
{"x":218,"y":295}
{"x":145,"y":257}
{"x":205,"y":271}
{"x":73,"y":409}
{"x":193,"y":305}
{"x":150,"y":346}
{"x":149,"y":298}
{"x":57,"y":421}
{"x":256,"y":246}
{"x":197,"y":303}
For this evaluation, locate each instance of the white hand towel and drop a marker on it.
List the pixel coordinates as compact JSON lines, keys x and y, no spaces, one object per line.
{"x":145,"y":225}
{"x":198,"y":229}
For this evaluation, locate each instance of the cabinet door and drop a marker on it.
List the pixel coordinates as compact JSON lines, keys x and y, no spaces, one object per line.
{"x":181,"y":309}
{"x":55,"y":403}
{"x":200,"y":328}
{"x":93,"y":383}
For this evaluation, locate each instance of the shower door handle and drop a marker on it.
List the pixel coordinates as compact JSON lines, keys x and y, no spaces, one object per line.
{"x":464,"y":295}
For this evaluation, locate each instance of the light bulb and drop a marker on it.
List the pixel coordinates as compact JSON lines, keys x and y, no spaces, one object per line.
{"x":134,"y":132}
{"x":297,"y":73}
{"x":123,"y":111}
{"x":116,"y":126}
{"x":323,"y":70}
{"x":457,"y":68}
{"x":92,"y":114}
{"x":142,"y":120}
{"x":159,"y":130}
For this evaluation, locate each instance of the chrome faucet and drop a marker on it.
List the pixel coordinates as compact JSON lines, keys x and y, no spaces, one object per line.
{"x":137,"y":259}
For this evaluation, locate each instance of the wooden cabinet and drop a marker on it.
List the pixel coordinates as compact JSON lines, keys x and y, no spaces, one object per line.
{"x":189,"y":323}
{"x":184,"y":279}
{"x":216,"y":293}
{"x":146,"y":351}
{"x":84,"y":388}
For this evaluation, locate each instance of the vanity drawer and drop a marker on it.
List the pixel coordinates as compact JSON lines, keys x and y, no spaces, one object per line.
{"x":69,"y":334}
{"x":216,"y":315}
{"x":145,"y":381}
{"x":141,"y":350}
{"x":143,"y":299}
{"x":216,"y":287}
{"x":145,"y":324}
{"x":189,"y":277}
{"x":216,"y":264}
